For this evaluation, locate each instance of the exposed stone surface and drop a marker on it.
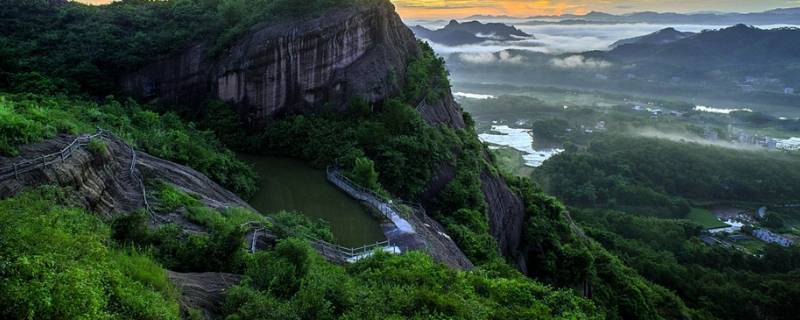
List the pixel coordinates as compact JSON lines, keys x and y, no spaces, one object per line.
{"x":439,"y":245}
{"x":103,"y":182}
{"x":444,"y":111}
{"x":203,"y":291}
{"x":506,"y":215}
{"x":360,"y":51}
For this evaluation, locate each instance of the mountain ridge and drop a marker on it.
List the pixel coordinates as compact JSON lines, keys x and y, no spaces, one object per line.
{"x":472,"y":32}
{"x":775,"y":16}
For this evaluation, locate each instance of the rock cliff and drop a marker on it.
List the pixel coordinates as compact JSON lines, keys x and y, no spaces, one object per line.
{"x":289,"y":67}
{"x":297,"y":66}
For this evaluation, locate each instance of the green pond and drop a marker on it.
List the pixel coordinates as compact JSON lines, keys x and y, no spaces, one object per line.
{"x":292,"y":185}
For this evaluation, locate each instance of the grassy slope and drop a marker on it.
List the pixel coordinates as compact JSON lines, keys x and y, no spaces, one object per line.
{"x":704,"y":218}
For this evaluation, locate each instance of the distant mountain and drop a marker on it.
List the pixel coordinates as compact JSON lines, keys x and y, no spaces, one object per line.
{"x":739,"y":47}
{"x":663,"y":36}
{"x":455,"y":33}
{"x":777,"y":16}
{"x":741,"y":63}
{"x":488,"y":17}
{"x":447,"y":37}
{"x":785,"y":11}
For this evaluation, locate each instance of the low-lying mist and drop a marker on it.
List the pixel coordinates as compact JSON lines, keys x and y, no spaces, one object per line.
{"x":685,"y":137}
{"x":558,"y":39}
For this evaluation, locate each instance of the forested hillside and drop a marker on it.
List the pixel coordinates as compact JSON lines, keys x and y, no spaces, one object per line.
{"x":636,"y":197}
{"x":62,"y":61}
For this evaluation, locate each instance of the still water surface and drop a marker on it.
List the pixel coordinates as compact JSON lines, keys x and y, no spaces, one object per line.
{"x":293,"y":185}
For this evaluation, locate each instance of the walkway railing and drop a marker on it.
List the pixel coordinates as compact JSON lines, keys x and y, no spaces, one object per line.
{"x":342,"y":253}
{"x":137,"y":175}
{"x":349,"y":254}
{"x":28,"y":165}
{"x":384,"y":204}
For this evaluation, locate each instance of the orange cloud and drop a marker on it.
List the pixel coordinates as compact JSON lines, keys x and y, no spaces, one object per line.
{"x":462,"y":8}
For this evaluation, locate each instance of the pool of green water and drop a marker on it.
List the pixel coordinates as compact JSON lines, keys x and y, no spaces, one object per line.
{"x":292,"y":185}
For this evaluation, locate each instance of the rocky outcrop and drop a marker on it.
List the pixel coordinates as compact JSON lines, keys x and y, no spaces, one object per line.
{"x":103,"y":182}
{"x":440,"y":246}
{"x":203,"y":292}
{"x":444,"y":111}
{"x":506,"y":216}
{"x":360,"y":51}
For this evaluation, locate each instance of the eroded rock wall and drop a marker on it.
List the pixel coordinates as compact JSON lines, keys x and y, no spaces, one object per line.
{"x":290,"y":67}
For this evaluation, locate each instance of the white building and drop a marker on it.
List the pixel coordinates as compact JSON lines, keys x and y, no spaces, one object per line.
{"x":788,"y":91}
{"x":769,"y":236}
{"x":789,"y":144}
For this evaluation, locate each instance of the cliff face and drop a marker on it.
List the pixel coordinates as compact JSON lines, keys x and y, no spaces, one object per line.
{"x":506,"y":217}
{"x":298,"y":66}
{"x":353,"y":52}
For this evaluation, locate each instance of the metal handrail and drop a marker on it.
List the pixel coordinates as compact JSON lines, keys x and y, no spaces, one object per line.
{"x":416,"y":208}
{"x":28,"y":165}
{"x":346,"y":252}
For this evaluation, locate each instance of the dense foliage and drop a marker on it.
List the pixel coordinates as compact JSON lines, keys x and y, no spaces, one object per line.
{"x":75,"y":47}
{"x":30,"y":118}
{"x":57,"y":262}
{"x":647,"y":182}
{"x":570,"y":258}
{"x":657,"y":175}
{"x":293,"y":282}
{"x":719,"y":282}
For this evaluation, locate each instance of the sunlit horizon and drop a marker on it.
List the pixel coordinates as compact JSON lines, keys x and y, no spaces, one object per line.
{"x":459,"y":9}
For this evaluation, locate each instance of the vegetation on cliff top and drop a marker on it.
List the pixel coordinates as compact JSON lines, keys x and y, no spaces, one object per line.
{"x":81,"y":48}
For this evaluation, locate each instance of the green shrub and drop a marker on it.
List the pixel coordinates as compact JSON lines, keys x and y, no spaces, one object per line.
{"x":56,"y":263}
{"x":288,"y":224}
{"x":385,"y":286}
{"x":97,"y":147}
{"x":227,"y":219}
{"x":171,"y":198}
{"x":364,"y":174}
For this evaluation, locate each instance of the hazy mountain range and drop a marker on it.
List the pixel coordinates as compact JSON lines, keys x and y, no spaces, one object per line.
{"x":736,"y":47}
{"x":662,"y":36}
{"x":777,"y":16}
{"x":744,"y":62}
{"x":472,"y":32}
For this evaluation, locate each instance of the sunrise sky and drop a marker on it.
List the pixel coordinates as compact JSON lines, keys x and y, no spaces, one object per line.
{"x":444,"y":9}
{"x":411,"y":9}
